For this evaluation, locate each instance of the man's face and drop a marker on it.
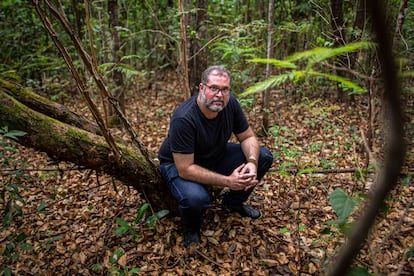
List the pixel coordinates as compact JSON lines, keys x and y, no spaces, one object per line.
{"x":216,"y":92}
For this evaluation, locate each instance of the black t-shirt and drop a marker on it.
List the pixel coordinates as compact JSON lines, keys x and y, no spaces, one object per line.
{"x":191,"y":132}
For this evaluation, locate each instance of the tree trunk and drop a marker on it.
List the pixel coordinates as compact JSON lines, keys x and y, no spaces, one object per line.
{"x":118,"y":79}
{"x":183,"y":48}
{"x":266,"y":93}
{"x":64,"y":142}
{"x":198,"y":55}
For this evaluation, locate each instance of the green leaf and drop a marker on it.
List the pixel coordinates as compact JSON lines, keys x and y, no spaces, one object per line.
{"x":26,"y":247}
{"x":410,"y":253}
{"x":342,"y":204}
{"x":275,"y":62}
{"x":121,"y":222}
{"x":7,"y":271}
{"x":284,"y":230}
{"x":120,"y":231}
{"x":41,"y":207}
{"x":344,"y":81}
{"x":358,"y":271}
{"x":162,"y":213}
{"x":151,"y":220}
{"x":269,"y":83}
{"x":118,"y":253}
{"x":141,"y":212}
{"x":305,"y":171}
{"x":14,"y":134}
{"x":134,"y":270}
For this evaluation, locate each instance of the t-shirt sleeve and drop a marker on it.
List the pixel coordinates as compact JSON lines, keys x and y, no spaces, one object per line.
{"x":240,"y":121}
{"x":182,"y":136}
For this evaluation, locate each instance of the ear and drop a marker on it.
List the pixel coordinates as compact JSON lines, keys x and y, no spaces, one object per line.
{"x":200,"y":87}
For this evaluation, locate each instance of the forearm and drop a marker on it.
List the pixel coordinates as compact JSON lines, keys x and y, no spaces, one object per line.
{"x":204,"y":176}
{"x":250,"y":148}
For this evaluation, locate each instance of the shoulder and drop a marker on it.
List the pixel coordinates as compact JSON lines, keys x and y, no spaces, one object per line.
{"x":186,"y":108}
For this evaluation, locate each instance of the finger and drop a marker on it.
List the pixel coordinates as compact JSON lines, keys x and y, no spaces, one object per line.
{"x":248,"y":175}
{"x":239,"y":169}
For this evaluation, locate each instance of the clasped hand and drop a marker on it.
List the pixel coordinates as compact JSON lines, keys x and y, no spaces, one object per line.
{"x":243,"y":177}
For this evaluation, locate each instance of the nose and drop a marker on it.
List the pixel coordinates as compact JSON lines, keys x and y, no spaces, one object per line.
{"x":220,"y":91}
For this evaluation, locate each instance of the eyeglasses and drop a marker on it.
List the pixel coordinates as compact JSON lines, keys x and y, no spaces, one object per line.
{"x":215,"y":89}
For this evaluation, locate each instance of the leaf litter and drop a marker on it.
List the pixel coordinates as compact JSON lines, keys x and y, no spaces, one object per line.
{"x":70,"y":216}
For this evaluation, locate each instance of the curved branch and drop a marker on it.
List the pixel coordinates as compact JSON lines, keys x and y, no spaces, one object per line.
{"x":395,"y":149}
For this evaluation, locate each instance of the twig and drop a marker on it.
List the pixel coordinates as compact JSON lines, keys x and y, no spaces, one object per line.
{"x":393,"y":230}
{"x":371,"y":156}
{"x":208,"y":258}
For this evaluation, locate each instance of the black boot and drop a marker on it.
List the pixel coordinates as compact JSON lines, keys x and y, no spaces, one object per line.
{"x":245,"y":210}
{"x":191,"y":236}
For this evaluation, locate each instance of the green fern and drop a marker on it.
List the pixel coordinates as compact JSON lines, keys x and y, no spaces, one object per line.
{"x":109,"y":67}
{"x":310,"y":57}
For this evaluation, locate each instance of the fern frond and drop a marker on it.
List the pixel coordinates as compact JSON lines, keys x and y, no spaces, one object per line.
{"x":406,"y":74}
{"x":275,"y":62}
{"x":343,"y":81}
{"x":322,"y":53}
{"x":127,"y":70}
{"x":270,"y":82}
{"x":106,"y":67}
{"x":130,"y":57}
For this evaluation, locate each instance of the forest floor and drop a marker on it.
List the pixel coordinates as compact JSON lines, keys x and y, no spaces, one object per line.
{"x":73,"y":219}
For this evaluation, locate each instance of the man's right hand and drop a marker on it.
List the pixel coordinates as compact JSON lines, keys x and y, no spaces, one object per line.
{"x":240,"y":180}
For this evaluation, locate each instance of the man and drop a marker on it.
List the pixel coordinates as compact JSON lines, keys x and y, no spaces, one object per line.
{"x":196,"y":153}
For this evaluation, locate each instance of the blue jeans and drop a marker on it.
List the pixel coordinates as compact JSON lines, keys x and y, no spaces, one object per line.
{"x":193,"y":198}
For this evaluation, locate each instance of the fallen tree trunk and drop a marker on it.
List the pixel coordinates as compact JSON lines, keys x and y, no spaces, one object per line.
{"x":64,"y":142}
{"x":47,"y":107}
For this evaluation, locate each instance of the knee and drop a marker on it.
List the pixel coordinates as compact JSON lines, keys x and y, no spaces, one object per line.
{"x":196,"y":202}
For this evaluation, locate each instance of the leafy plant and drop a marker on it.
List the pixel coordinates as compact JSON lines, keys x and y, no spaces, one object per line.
{"x":343,"y":205}
{"x":10,"y":194}
{"x":11,"y":198}
{"x":310,"y":58}
{"x":117,"y":264}
{"x":125,"y":228}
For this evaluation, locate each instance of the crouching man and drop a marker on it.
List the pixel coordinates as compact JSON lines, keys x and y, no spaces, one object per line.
{"x":197,"y":153}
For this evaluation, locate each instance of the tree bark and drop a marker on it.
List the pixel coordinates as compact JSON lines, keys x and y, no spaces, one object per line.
{"x":183,"y":48}
{"x":197,"y":62}
{"x":266,"y":93}
{"x":64,"y":142}
{"x":117,"y":77}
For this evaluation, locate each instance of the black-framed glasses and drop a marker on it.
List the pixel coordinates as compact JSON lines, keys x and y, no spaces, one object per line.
{"x":215,"y":89}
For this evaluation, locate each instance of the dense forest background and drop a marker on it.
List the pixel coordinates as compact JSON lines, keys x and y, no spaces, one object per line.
{"x":309,"y":77}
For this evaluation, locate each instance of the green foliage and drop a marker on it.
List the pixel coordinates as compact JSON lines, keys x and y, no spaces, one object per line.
{"x":10,"y":193}
{"x":125,"y":228}
{"x":116,"y":268}
{"x":358,"y":271}
{"x":343,"y":206}
{"x":236,"y":44}
{"x":410,"y":253}
{"x":25,"y":51}
{"x":11,"y":198}
{"x":309,"y":58}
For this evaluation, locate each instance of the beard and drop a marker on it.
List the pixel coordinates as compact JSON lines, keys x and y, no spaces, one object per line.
{"x":211,"y":105}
